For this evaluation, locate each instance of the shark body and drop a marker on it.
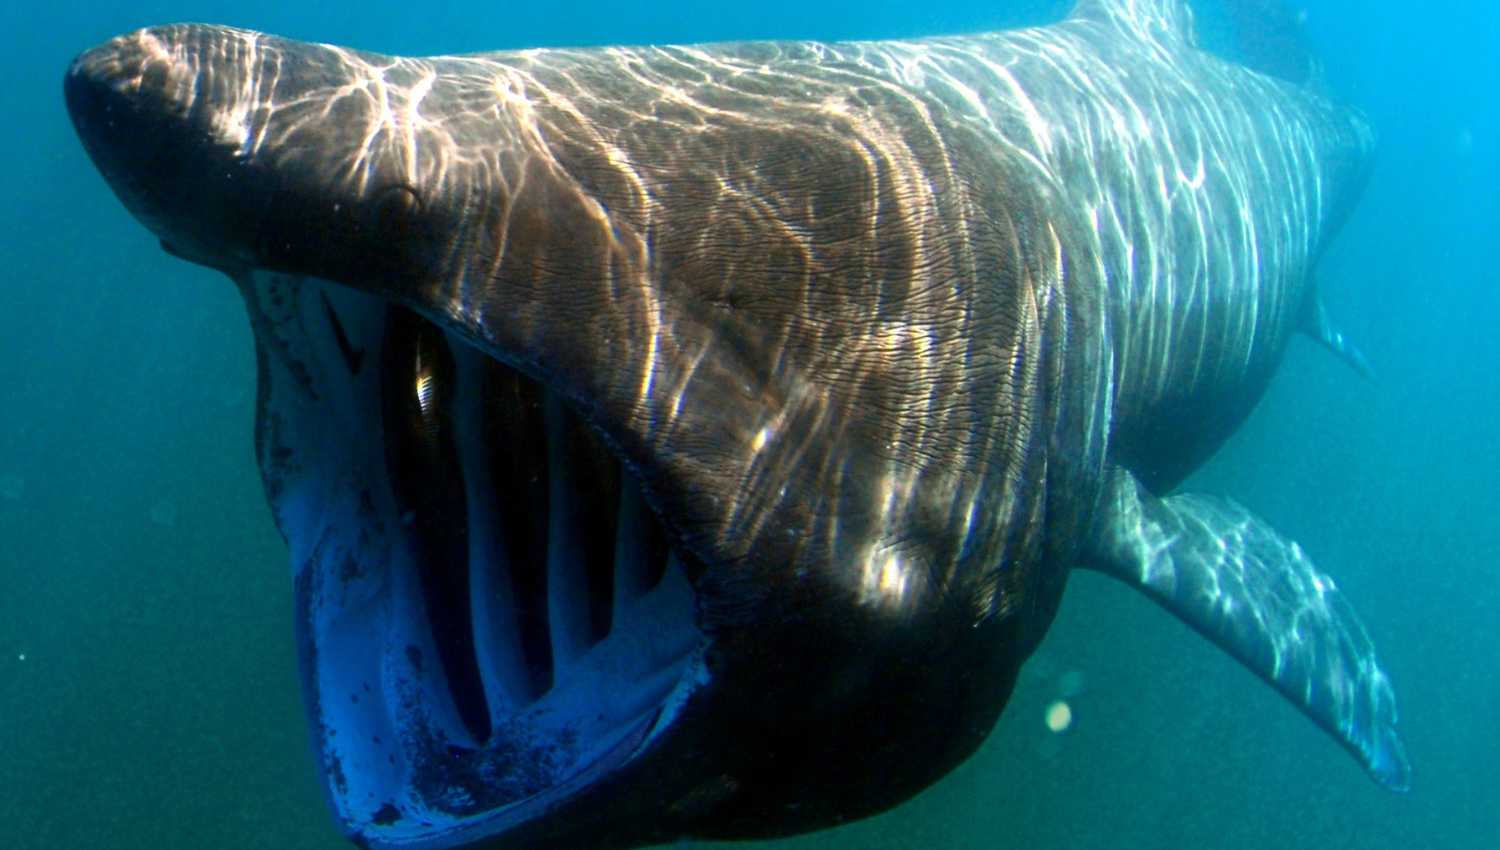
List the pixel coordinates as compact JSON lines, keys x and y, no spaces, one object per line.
{"x":696,"y":440}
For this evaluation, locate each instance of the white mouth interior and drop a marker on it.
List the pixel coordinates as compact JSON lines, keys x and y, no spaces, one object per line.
{"x":490,"y":616}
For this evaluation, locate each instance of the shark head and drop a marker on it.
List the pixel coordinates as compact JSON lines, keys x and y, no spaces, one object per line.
{"x":620,"y":507}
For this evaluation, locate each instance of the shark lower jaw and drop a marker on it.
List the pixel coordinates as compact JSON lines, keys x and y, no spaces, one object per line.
{"x":491,"y":620}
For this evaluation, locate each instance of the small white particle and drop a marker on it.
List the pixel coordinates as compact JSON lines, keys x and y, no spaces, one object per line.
{"x":1059,"y":717}
{"x":21,"y":656}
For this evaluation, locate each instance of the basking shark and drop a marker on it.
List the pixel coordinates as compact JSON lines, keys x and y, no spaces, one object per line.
{"x":695,"y":441}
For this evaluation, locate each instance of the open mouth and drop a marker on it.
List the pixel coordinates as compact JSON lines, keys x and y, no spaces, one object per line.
{"x":490,"y":616}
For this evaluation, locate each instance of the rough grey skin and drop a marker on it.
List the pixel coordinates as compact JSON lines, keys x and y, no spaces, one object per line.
{"x":696,"y":440}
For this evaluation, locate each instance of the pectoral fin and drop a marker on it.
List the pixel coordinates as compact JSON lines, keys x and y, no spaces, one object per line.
{"x":1317,"y":324}
{"x":1257,"y":595}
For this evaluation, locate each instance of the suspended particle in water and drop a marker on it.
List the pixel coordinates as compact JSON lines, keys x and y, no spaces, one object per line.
{"x":1059,"y":717}
{"x":164,"y":513}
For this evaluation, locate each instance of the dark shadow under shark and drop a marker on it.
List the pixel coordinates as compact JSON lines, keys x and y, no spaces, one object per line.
{"x":696,"y":440}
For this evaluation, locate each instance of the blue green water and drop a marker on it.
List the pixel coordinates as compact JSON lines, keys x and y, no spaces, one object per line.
{"x":148,"y":697}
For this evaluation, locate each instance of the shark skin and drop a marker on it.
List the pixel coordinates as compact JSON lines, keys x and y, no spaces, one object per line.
{"x":695,"y":441}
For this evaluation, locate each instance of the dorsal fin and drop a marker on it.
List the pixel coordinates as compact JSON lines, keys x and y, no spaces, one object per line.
{"x":1159,"y":20}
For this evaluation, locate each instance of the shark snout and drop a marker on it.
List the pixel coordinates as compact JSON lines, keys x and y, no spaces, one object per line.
{"x":118,"y":128}
{"x":146,"y":109}
{"x":134,"y":92}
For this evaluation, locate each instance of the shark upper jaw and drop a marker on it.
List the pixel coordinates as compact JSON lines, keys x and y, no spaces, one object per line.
{"x":490,"y":618}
